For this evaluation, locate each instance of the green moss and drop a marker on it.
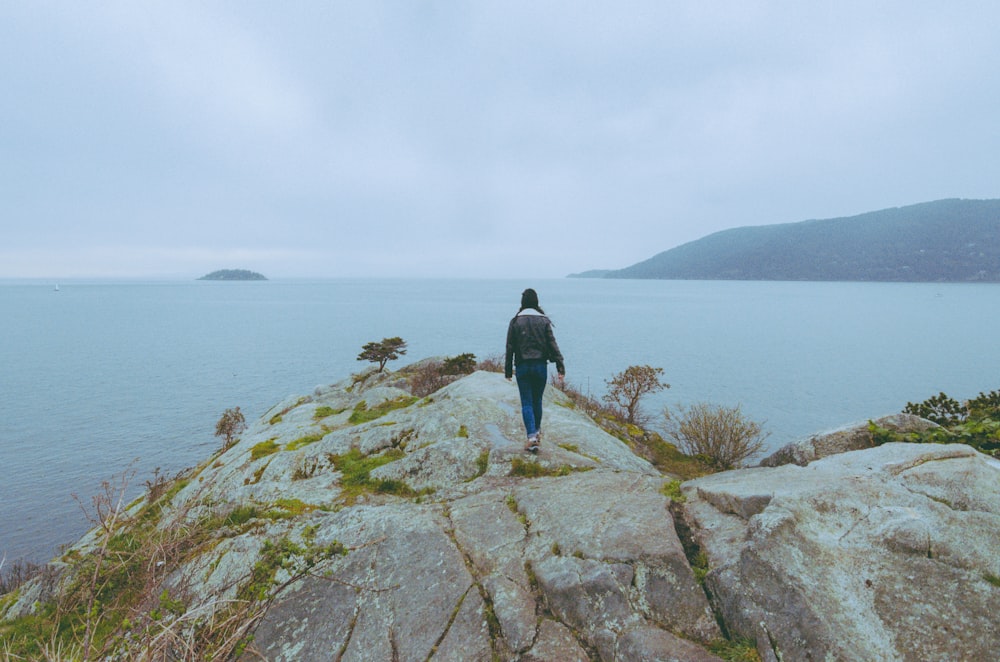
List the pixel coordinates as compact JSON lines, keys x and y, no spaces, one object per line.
{"x":304,"y":441}
{"x":263,"y":449}
{"x":672,"y":490}
{"x":363,"y":414}
{"x":275,"y":419}
{"x":463,"y":432}
{"x":572,"y":448}
{"x":992,"y":579}
{"x":531,"y":469}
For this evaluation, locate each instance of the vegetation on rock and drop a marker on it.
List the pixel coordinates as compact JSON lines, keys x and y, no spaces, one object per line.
{"x":627,"y":389}
{"x":230,"y":426}
{"x":719,"y":436}
{"x":975,"y":422}
{"x":383,"y":351}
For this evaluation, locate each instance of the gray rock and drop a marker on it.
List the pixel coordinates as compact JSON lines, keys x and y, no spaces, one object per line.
{"x":849,"y":438}
{"x":876,"y":554}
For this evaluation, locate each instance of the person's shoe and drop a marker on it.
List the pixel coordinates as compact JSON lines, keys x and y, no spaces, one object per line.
{"x":532,"y":445}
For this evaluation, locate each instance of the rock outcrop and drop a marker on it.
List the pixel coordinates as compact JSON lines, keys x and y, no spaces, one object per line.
{"x":427,"y":532}
{"x":364,"y":523}
{"x":889,"y":553}
{"x":848,"y":438}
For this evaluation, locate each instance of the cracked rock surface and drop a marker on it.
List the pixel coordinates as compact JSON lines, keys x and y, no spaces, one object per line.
{"x":361,"y":522}
{"x":891,"y":553}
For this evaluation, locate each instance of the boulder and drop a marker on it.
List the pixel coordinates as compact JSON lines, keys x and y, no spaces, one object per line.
{"x":888,"y":553}
{"x":848,"y":438}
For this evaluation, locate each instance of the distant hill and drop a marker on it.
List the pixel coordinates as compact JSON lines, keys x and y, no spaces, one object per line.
{"x":943,"y":241}
{"x":233,"y":274}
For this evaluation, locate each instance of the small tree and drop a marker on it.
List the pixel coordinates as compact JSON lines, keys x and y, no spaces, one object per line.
{"x":230,"y":426}
{"x":388,"y":349}
{"x":720,"y":435}
{"x":627,"y":388}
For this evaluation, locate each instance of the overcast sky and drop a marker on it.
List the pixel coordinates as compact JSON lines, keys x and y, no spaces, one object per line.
{"x":486,"y":139}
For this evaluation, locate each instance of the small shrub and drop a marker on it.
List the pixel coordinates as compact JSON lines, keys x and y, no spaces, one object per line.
{"x":427,"y":378}
{"x":492,"y":363}
{"x":721,"y":435}
{"x":975,"y":423}
{"x":463,"y":364}
{"x":15,"y":574}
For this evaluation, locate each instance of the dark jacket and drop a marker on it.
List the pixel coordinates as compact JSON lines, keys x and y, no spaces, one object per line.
{"x":530,"y":337}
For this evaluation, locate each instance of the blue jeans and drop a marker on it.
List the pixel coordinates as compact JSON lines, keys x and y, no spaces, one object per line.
{"x":531,"y":378}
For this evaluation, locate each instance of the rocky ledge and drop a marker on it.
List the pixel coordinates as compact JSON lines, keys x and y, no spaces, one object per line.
{"x":363,"y":523}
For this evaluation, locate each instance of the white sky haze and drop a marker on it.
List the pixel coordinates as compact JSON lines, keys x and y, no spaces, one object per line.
{"x":479,"y":139}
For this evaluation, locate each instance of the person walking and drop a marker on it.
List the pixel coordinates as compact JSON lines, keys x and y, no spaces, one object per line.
{"x":530,"y":346}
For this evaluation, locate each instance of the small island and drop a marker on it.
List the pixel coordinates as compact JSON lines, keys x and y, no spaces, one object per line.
{"x":233,"y":274}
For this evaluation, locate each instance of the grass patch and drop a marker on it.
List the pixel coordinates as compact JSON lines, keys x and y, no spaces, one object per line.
{"x":672,"y":490}
{"x":263,"y":449}
{"x":356,"y":467}
{"x":290,"y":508}
{"x":482,"y":463}
{"x":530,"y":469}
{"x":304,"y":441}
{"x":325,"y":411}
{"x":992,"y":579}
{"x":362,"y":413}
{"x":700,"y":567}
{"x":572,"y":448}
{"x":463,"y":432}
{"x":737,"y":650}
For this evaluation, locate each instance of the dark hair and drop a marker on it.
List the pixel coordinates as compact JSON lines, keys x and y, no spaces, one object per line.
{"x":529,"y":299}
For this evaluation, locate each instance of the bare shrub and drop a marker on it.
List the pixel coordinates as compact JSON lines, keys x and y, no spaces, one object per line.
{"x":721,"y":436}
{"x":230,"y":426}
{"x":492,"y":363}
{"x":16,"y":573}
{"x":428,"y":378}
{"x":627,"y":388}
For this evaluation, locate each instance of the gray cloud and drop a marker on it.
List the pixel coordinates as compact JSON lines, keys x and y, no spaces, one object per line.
{"x":487,"y":139}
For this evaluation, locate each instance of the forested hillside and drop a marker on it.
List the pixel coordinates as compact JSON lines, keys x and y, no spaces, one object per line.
{"x":946,"y":241}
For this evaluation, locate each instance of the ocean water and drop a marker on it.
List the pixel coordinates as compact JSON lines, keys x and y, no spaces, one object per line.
{"x":98,"y":377}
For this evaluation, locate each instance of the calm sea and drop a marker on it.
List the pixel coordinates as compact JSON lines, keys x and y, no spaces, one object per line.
{"x":98,"y":375}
